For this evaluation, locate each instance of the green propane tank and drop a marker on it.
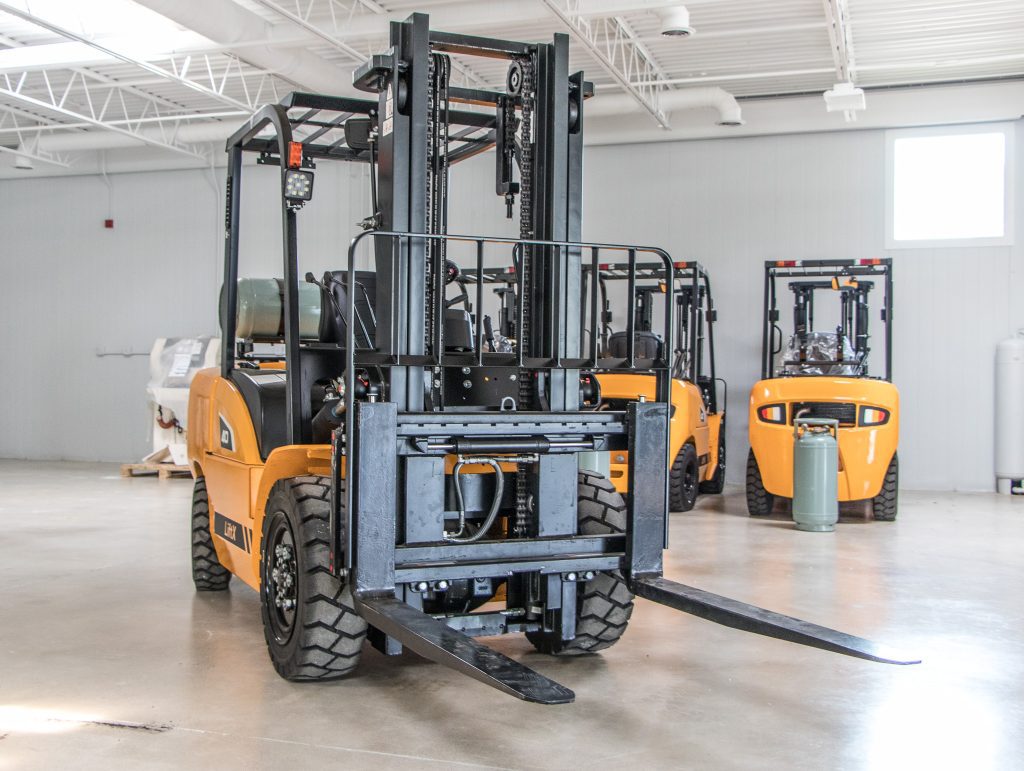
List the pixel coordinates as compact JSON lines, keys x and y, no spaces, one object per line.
{"x":261,"y":309}
{"x":815,"y":474}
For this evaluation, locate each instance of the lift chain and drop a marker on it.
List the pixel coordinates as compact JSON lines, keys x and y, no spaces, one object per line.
{"x":526,"y":231}
{"x":438,"y":73}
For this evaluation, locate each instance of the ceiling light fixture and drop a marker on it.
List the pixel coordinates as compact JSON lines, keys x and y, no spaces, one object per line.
{"x":845,"y":98}
{"x":675,"y":22}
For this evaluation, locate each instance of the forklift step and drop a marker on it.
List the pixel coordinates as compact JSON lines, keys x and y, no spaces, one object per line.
{"x":750,"y":618}
{"x":438,"y":642}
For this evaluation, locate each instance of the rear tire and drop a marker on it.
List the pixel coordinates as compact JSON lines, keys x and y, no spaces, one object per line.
{"x":760,"y":502}
{"x":684,"y":479}
{"x":716,"y":484}
{"x":884,"y":505}
{"x":604,"y":603}
{"x":310,"y":622}
{"x":207,"y":573}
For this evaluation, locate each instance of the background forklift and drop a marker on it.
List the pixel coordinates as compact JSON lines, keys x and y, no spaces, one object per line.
{"x":697,"y":425}
{"x":824,"y":374}
{"x":390,"y":477}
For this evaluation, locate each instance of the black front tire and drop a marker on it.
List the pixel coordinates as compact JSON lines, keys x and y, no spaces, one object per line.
{"x":716,"y":484}
{"x":884,"y":505}
{"x":684,"y":479}
{"x":604,"y":603}
{"x":760,"y":502}
{"x":207,"y":573}
{"x":310,"y":621}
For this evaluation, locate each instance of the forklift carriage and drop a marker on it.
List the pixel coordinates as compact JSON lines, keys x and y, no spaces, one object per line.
{"x":404,"y":478}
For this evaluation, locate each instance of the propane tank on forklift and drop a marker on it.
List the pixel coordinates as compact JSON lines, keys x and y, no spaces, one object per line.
{"x":815,"y":474}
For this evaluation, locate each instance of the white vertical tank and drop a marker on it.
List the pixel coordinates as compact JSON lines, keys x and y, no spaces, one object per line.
{"x":1009,"y":414}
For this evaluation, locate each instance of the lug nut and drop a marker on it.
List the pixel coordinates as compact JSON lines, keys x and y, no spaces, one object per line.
{"x":467,"y":383}
{"x":465,"y":370}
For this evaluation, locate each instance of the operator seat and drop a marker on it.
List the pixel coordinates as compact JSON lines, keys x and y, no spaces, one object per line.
{"x":647,"y":345}
{"x":335,"y":308}
{"x":264,"y":393}
{"x":458,"y":323}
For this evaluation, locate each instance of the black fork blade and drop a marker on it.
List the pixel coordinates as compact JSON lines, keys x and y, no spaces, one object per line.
{"x":438,"y":642}
{"x":750,"y":618}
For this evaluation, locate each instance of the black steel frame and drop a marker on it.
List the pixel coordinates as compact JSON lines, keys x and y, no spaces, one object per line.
{"x":776,"y":269}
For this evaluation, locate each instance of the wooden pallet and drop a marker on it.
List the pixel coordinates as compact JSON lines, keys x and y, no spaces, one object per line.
{"x":162,"y":470}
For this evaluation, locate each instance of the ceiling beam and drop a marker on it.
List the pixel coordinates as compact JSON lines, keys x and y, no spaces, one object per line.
{"x":354,"y":55}
{"x":27,"y":142}
{"x":101,"y":103}
{"x":178,"y":77}
{"x":613,"y":44}
{"x":837,"y":15}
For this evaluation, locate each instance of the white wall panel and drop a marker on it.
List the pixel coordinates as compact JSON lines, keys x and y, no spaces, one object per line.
{"x":71,"y":287}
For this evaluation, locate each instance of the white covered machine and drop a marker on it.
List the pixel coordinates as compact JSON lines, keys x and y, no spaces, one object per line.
{"x":173,"y":362}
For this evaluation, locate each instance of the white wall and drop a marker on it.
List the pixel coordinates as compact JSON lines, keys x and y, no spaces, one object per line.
{"x":71,"y":287}
{"x":733,"y":203}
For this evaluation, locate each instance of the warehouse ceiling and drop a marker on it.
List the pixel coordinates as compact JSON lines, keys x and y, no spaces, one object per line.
{"x":173,"y":76}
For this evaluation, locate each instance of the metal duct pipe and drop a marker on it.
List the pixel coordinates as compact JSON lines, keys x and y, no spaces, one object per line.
{"x":190,"y":133}
{"x":230,"y":25}
{"x":729,"y":113}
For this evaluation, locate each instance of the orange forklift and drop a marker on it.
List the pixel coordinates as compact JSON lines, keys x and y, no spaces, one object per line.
{"x":824,"y":373}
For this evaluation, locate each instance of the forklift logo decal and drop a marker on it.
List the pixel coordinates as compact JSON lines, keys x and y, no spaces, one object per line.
{"x":232,"y":532}
{"x":227,"y":436}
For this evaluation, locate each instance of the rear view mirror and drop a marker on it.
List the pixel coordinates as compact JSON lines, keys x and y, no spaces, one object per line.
{"x":357,"y":133}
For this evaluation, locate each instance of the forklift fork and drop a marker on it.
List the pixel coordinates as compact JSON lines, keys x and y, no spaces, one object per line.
{"x":750,"y":618}
{"x":438,"y":642}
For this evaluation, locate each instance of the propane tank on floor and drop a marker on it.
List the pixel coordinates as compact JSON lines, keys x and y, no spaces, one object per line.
{"x":1009,"y":415}
{"x":815,"y":474}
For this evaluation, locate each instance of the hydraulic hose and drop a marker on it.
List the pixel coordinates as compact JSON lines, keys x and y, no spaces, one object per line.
{"x":492,"y":514}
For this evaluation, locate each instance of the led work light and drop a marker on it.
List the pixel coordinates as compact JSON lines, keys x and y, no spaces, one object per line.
{"x":298,"y":185}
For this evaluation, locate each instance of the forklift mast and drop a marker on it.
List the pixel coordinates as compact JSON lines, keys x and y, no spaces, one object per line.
{"x":846,"y":278}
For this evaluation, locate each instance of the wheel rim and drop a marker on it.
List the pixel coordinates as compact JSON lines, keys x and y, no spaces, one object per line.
{"x":281,"y":578}
{"x":690,"y":480}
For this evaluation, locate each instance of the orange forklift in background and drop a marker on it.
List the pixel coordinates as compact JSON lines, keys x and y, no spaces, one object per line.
{"x":824,"y":374}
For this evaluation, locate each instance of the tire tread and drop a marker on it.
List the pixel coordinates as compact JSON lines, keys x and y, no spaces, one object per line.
{"x":760,"y":502}
{"x":331,"y":631}
{"x":208,"y":574}
{"x":884,"y":505}
{"x":604,"y":604}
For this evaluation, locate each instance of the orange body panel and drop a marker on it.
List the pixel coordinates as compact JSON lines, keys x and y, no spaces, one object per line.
{"x":690,"y":421}
{"x":864,"y":451}
{"x":238,"y":481}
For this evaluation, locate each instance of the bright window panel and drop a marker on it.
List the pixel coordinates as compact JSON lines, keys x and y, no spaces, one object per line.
{"x":949,"y":187}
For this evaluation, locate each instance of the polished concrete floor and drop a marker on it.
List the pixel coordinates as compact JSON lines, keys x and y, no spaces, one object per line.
{"x":108,"y":659}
